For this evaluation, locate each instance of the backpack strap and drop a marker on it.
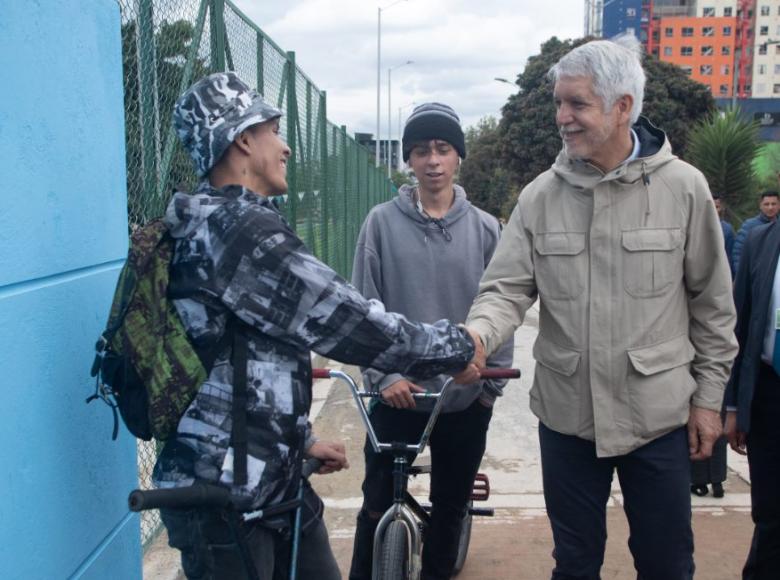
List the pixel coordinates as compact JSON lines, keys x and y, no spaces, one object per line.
{"x":239,"y":435}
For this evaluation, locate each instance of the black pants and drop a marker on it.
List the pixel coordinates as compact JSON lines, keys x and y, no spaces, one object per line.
{"x":210,"y":552}
{"x":655,"y":481}
{"x":457,"y":445}
{"x":763,"y":448}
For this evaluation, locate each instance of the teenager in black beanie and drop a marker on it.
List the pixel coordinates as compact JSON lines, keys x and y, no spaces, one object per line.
{"x":433,"y":121}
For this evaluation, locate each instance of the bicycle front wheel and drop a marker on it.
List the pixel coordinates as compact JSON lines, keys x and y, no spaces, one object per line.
{"x":394,"y":563}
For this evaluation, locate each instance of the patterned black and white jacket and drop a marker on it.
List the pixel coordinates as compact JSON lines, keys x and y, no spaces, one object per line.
{"x":236,"y":256}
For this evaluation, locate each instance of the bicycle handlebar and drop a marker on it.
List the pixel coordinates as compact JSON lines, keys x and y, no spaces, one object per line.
{"x":359,"y":395}
{"x":198,"y":494}
{"x":204,"y":495}
{"x":489,"y":373}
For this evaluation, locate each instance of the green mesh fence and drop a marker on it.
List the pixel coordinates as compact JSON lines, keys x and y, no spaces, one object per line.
{"x":169,"y":44}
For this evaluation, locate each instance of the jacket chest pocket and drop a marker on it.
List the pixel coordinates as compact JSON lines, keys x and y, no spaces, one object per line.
{"x":652,"y":260}
{"x":560,"y":264}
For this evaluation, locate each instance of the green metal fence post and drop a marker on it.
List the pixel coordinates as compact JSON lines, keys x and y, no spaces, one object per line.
{"x":325,"y":219}
{"x":148,"y":113}
{"x":345,"y":215}
{"x":217,"y":29}
{"x":260,"y":64}
{"x":307,"y":147}
{"x":292,"y":123}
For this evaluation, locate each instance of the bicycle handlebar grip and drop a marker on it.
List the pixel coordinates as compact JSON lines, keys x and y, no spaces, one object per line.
{"x":195,"y":495}
{"x":311,"y":465}
{"x":320,"y":373}
{"x":500,"y":374}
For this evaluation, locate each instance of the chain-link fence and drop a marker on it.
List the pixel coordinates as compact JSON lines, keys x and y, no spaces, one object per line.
{"x":166,"y":46}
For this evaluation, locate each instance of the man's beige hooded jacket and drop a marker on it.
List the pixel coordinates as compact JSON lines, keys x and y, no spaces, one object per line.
{"x":636,"y":310}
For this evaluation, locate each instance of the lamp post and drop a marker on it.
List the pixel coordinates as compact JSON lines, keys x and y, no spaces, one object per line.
{"x":389,"y":119}
{"x":379,"y":67}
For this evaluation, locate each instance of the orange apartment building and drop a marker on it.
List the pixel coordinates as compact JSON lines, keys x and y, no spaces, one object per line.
{"x":702,"y":47}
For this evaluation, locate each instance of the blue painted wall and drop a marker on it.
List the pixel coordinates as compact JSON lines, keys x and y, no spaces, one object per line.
{"x":63,"y":227}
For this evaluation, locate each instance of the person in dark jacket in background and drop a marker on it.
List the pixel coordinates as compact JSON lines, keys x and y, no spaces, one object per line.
{"x":728,"y":230}
{"x":769,"y":205}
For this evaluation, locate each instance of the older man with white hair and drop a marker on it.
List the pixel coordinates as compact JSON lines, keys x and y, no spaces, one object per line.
{"x":621,"y":244}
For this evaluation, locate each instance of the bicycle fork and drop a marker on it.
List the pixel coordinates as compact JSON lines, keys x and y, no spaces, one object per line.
{"x":400,"y":511}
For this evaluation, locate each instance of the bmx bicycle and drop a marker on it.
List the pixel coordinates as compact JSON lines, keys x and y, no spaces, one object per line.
{"x":399,"y":534}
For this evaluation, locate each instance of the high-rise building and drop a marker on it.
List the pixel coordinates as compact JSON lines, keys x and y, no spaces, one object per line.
{"x":732,"y":46}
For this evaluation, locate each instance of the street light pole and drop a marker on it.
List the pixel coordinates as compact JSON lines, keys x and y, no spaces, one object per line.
{"x":379,"y":70}
{"x":389,"y":119}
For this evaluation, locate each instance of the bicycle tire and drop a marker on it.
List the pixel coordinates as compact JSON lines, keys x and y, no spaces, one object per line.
{"x":463,"y":542}
{"x":394,"y":562}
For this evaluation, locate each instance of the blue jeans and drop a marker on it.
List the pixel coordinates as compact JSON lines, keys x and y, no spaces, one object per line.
{"x":655,"y":481}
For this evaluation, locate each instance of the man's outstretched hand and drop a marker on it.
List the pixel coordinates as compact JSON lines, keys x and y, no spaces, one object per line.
{"x":471,"y":373}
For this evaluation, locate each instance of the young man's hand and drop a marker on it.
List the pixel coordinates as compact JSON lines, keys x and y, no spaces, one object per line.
{"x":704,"y":428}
{"x":471,"y":373}
{"x":332,"y":455}
{"x":399,"y":394}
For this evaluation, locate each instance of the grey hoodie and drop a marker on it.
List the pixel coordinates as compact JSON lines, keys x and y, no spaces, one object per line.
{"x":428,"y":269}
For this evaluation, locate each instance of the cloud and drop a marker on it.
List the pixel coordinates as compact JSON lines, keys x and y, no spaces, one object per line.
{"x":458,"y":47}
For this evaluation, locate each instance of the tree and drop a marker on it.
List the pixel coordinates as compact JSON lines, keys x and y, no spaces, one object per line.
{"x":723,"y":147}
{"x":529,"y":140}
{"x":482,"y":174}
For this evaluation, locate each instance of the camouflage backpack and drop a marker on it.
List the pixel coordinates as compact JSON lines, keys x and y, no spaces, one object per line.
{"x":146,"y":365}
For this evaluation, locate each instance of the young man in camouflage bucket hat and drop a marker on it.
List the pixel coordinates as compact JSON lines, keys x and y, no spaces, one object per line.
{"x":237,"y":259}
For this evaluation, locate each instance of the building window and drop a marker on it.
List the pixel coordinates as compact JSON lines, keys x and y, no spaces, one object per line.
{"x":777,"y":69}
{"x":777,"y":49}
{"x":727,"y":11}
{"x":748,"y":88}
{"x":762,"y":69}
{"x":727,"y":31}
{"x":686,"y":51}
{"x":762,"y":49}
{"x":667,"y":51}
{"x":724,"y":89}
{"x":708,"y":31}
{"x":668,"y":32}
{"x":631,"y":12}
{"x":708,"y":11}
{"x":760,"y":88}
{"x":706,"y":51}
{"x":705,"y":69}
{"x":776,"y":89}
{"x":687,"y":70}
{"x":724,"y":69}
{"x":725,"y":51}
{"x":687,"y":31}
{"x":765,"y":11}
{"x":763,"y":31}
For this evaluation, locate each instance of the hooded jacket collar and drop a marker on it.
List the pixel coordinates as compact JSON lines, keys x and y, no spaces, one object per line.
{"x":406,"y":201}
{"x":655,"y":152}
{"x":187,"y":211}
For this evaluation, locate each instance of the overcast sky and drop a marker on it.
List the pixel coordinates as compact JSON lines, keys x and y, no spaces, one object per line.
{"x":458,"y":47}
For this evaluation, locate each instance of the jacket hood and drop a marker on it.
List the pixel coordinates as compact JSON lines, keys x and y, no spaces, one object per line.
{"x":406,"y":201}
{"x":187,"y":211}
{"x":655,"y":151}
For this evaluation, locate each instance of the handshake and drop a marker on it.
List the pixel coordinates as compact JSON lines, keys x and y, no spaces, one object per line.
{"x":472,"y":371}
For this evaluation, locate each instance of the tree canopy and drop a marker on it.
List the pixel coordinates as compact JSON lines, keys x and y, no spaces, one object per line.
{"x":482,"y":174}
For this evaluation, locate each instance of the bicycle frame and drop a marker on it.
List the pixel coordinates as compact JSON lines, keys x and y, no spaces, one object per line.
{"x":405,"y":507}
